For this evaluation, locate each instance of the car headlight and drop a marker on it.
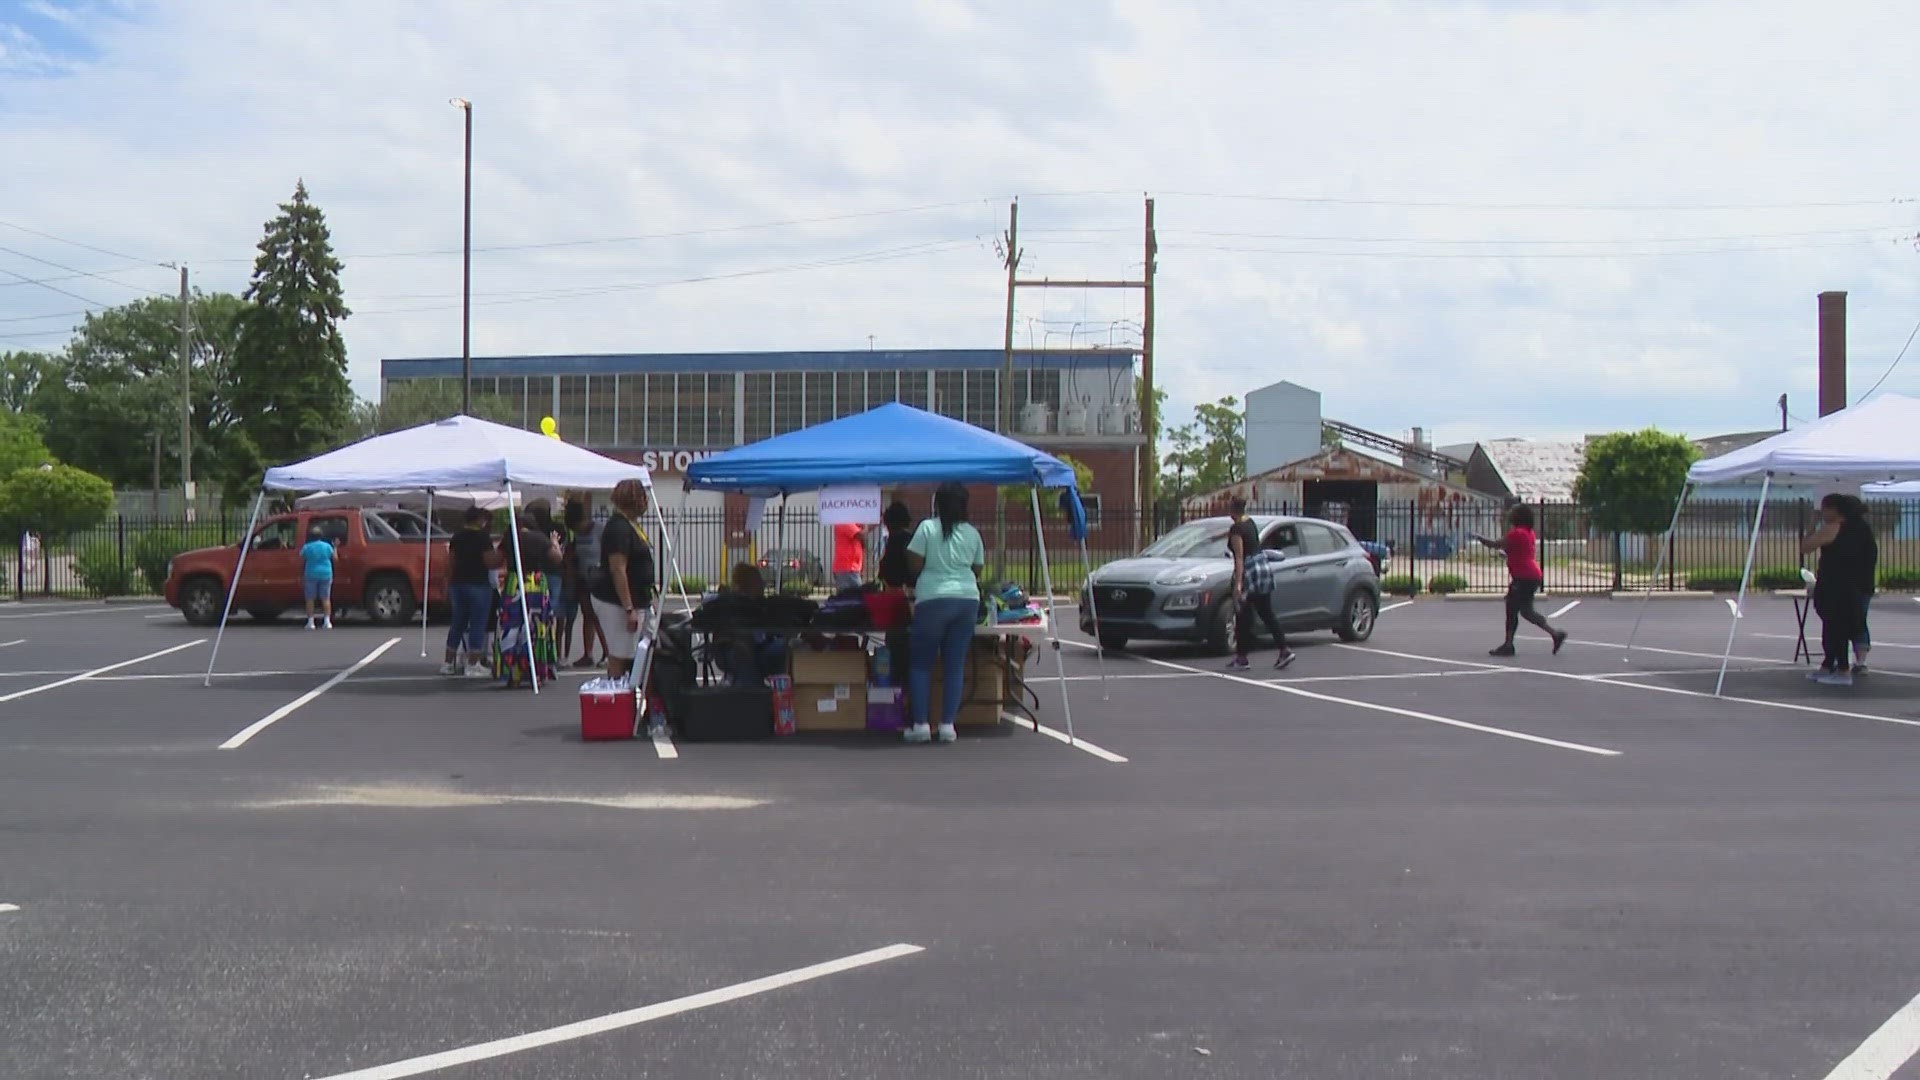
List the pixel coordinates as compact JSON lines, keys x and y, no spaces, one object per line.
{"x":1184,"y":577}
{"x":169,"y":572}
{"x":1192,"y":601}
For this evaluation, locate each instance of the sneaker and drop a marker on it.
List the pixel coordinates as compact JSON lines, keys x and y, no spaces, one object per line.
{"x":918,"y":733}
{"x":1500,"y":650}
{"x":1238,"y":663}
{"x":1819,"y":673}
{"x":479,"y":671}
{"x":450,"y":669}
{"x":1559,"y":639}
{"x":328,"y":625}
{"x":309,"y":624}
{"x":1859,"y":670}
{"x":1835,"y":678}
{"x":946,"y":733}
{"x":1283,"y":661}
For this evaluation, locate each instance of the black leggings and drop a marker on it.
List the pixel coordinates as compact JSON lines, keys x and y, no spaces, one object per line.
{"x":1261,"y":605}
{"x":1520,"y":606}
{"x":1841,"y":620}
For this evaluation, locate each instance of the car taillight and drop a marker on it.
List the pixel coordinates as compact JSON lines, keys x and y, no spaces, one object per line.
{"x":793,"y":564}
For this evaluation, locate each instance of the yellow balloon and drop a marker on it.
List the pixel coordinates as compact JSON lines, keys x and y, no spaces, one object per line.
{"x":549,"y":428}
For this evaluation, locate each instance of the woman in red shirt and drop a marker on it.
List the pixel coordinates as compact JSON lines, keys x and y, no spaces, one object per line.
{"x":1523,"y":566}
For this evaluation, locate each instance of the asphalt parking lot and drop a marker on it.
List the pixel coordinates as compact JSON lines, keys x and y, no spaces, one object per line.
{"x":1403,"y":859}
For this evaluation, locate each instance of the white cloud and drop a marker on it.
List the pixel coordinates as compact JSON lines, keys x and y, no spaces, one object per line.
{"x":171,"y":131}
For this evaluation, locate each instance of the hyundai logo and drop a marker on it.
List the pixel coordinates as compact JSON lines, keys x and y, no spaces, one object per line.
{"x":1118,"y":594}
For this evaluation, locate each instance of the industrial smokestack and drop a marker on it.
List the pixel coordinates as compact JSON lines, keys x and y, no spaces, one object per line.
{"x":1833,"y":352}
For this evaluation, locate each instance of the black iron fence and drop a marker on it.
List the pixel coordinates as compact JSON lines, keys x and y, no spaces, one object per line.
{"x":1431,"y":545}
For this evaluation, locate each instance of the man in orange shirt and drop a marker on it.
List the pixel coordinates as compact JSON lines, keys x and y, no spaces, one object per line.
{"x":849,"y":556}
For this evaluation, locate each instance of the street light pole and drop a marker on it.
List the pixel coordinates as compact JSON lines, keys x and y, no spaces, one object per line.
{"x":466,"y":267}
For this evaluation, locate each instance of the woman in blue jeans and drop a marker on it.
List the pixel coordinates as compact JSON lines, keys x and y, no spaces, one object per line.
{"x":946,"y":554}
{"x":470,"y":595}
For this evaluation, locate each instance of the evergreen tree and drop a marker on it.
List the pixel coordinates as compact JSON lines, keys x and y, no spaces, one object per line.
{"x":290,"y":390}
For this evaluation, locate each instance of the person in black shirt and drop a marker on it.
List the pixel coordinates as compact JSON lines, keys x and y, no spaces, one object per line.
{"x":1843,"y":581}
{"x":1243,"y":543}
{"x":895,"y":570}
{"x":470,"y":594}
{"x":626,"y":581}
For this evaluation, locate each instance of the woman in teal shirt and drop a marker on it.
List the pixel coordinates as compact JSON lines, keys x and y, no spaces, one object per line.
{"x":316,"y":578}
{"x":947,"y":554}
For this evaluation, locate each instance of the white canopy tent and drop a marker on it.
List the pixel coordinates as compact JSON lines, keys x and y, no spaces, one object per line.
{"x":459,"y":454}
{"x":1873,"y":443}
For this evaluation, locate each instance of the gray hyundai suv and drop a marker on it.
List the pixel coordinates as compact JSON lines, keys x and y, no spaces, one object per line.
{"x":1181,"y":587}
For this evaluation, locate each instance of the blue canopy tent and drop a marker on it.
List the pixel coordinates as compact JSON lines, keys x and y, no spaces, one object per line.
{"x":898,"y":444}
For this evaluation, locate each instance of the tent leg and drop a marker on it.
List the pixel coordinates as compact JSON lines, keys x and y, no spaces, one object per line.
{"x":519,"y":570}
{"x":426,"y":574}
{"x":1659,"y":564}
{"x":673,"y":560}
{"x":246,"y":541}
{"x":1746,"y":575}
{"x":1093,"y":610}
{"x":780,"y":546}
{"x":1053,"y":627}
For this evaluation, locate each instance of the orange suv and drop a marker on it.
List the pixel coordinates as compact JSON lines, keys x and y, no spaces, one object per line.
{"x":378,"y":570}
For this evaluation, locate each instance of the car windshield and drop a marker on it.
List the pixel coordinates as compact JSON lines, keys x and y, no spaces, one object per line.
{"x":1194,"y":540}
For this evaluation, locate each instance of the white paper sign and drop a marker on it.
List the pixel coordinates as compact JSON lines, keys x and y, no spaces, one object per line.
{"x":856,"y":505}
{"x":756,"y":509}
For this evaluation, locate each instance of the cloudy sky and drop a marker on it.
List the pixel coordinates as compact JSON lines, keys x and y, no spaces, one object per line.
{"x":1495,"y":218}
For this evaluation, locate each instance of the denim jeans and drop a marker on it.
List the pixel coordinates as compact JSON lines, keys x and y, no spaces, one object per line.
{"x":941,"y":629}
{"x":468,"y":626}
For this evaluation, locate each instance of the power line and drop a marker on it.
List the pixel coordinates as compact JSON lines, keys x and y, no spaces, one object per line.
{"x":79,"y":272}
{"x":1856,"y":231}
{"x":79,"y":244}
{"x":25,"y":280}
{"x":52,"y":315}
{"x":1430,"y":204}
{"x":1896,"y":362}
{"x":1304,"y":252}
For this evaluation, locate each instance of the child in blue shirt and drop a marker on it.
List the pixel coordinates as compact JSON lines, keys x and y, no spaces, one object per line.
{"x":317,"y":577}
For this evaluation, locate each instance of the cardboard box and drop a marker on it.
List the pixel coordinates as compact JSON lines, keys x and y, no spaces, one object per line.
{"x":834,"y":667}
{"x":840,"y":707}
{"x":986,"y":691}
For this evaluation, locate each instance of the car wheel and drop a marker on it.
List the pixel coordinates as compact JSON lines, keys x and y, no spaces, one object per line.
{"x":1113,"y":640}
{"x":264,"y":614}
{"x":1222,"y":635}
{"x":201,"y":601}
{"x":389,"y":600}
{"x":1362,"y":610}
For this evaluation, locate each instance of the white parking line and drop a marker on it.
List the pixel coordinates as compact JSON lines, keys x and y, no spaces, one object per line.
{"x":615,"y":1021}
{"x":663,"y":745}
{"x":116,"y":610}
{"x":1116,"y":678}
{"x":1877,"y":643}
{"x":1564,"y":610}
{"x":1391,"y":710}
{"x":1078,"y":743}
{"x":240,"y":739}
{"x":1715,"y":656}
{"x":71,"y":679}
{"x":1889,"y":1047}
{"x":10,"y":644}
{"x":4,"y":908}
{"x":1396,"y":607}
{"x":1609,"y":681}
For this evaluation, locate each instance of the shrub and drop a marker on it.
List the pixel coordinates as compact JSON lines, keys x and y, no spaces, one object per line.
{"x":1727,"y":579}
{"x":796,"y":587}
{"x":1900,"y":580}
{"x":152,"y":552}
{"x":102,"y":572}
{"x":1400,"y":585}
{"x":1443,"y":584}
{"x":693,"y":584}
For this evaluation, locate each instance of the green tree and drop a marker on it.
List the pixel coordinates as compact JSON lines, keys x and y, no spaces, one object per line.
{"x":53,"y":500}
{"x":22,"y":374}
{"x":289,"y":378}
{"x":1018,"y":500}
{"x":20,"y":445}
{"x":116,"y":389}
{"x":1330,"y":439}
{"x":1629,"y":480}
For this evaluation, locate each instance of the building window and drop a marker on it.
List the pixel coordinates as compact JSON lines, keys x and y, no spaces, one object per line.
{"x":849,"y":393}
{"x":1043,"y":387}
{"x":572,"y":416}
{"x":950,"y":394}
{"x":633,"y":411}
{"x":660,"y":411}
{"x":982,"y":403}
{"x":882,"y":387}
{"x":482,"y":387}
{"x":819,"y":397}
{"x":758,"y":392}
{"x":786,"y":402}
{"x":720,"y":408}
{"x":513,"y":401}
{"x":913,"y":389}
{"x":692,"y":410}
{"x":539,"y":401}
{"x":600,"y":405}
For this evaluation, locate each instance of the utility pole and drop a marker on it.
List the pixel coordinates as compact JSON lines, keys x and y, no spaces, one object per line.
{"x":466,"y":266}
{"x":1150,"y":476}
{"x":186,"y":395}
{"x":1783,"y":412}
{"x":1012,"y":260}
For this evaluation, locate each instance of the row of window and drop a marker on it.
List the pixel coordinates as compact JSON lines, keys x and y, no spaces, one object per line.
{"x":697,"y":410}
